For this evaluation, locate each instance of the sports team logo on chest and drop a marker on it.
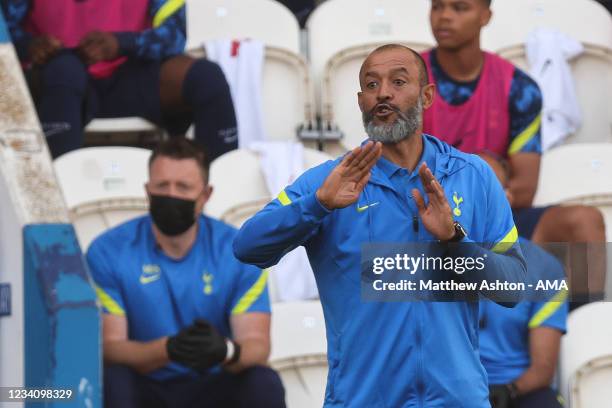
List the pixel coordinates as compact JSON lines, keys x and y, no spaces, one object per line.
{"x":457,"y":200}
{"x":207,"y":278}
{"x":150,"y":273}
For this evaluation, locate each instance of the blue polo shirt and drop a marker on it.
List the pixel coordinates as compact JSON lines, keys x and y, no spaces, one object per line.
{"x":160,"y":295}
{"x":403,"y":180}
{"x":504,"y":333}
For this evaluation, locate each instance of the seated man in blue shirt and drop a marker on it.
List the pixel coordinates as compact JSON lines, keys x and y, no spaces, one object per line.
{"x":185,"y":324}
{"x":519,"y":347}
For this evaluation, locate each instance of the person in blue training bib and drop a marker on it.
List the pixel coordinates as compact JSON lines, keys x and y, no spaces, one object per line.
{"x":396,"y":187}
{"x":519,"y":347}
{"x":185,"y":323}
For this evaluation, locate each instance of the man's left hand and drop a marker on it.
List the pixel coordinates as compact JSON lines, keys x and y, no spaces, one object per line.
{"x":436,"y":215}
{"x":98,"y":46}
{"x":199,"y":346}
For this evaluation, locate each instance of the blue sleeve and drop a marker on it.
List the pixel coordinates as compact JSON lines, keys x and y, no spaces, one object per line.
{"x":552,"y":308}
{"x":504,"y":258}
{"x":525,"y":106}
{"x":552,"y":313}
{"x":15,"y":12}
{"x":251,"y":291}
{"x":287,"y":222}
{"x":107,"y":285}
{"x":165,"y":39}
{"x":501,"y":233}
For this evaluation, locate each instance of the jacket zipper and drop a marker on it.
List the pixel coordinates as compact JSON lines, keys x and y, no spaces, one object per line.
{"x":419,"y":343}
{"x":420,"y":382}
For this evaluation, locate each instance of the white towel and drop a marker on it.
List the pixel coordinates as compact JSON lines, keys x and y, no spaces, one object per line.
{"x":281,"y":163}
{"x":242,"y":64}
{"x":548,"y":53}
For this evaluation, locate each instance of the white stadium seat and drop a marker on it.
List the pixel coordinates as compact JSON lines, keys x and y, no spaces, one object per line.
{"x":121,"y":125}
{"x":238,"y":19}
{"x":340,"y":41}
{"x":286,"y":87}
{"x":236,"y":179}
{"x":578,"y":174}
{"x":114,"y":125}
{"x":240,"y":190}
{"x":93,"y":218}
{"x":299,"y":352}
{"x":584,"y":20}
{"x":586,"y":357}
{"x":239,"y":186}
{"x":102,"y":187}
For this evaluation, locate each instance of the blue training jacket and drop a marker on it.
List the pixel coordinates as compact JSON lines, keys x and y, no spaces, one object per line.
{"x":400,"y":354}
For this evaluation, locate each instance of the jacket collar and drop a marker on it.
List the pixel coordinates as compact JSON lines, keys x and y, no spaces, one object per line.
{"x":436,"y":154}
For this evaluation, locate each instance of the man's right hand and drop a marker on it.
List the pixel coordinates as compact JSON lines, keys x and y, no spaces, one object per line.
{"x":343,"y":185}
{"x":198,"y":346}
{"x":42,"y":48}
{"x":499,"y":396}
{"x":98,"y":46}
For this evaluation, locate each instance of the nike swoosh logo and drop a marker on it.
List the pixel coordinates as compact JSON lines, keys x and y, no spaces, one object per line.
{"x":148,"y":279}
{"x":365,"y":207}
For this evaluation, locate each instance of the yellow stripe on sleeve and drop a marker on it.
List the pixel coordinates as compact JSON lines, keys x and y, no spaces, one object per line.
{"x":526,"y":135}
{"x":252,"y":294}
{"x":168,"y":9}
{"x":548,"y":309}
{"x":561,"y":400}
{"x":284,"y":198}
{"x":506,"y":242}
{"x":109,"y":303}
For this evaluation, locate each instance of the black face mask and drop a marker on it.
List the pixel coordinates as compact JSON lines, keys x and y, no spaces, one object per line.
{"x":172,"y":215}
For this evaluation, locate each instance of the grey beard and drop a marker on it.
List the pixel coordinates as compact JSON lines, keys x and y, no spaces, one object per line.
{"x":404,"y":126}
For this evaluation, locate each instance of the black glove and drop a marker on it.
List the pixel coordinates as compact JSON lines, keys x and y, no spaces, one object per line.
{"x":501,"y":396}
{"x":198,"y":346}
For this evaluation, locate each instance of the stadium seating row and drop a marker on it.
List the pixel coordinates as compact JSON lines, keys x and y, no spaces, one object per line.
{"x":103,"y":186}
{"x":295,"y":91}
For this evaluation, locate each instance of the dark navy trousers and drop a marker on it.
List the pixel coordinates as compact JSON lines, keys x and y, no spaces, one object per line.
{"x":256,"y":387}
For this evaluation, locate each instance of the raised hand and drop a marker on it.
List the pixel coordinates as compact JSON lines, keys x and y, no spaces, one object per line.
{"x":343,"y":185}
{"x":436,"y":215}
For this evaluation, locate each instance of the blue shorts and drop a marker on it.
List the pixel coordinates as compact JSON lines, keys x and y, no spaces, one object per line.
{"x":66,"y":94}
{"x":132,"y":90}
